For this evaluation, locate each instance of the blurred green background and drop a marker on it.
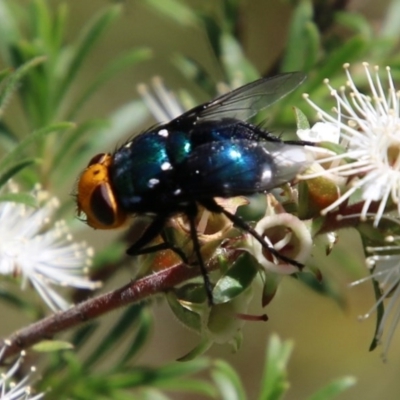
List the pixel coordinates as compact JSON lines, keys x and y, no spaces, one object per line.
{"x":329,"y":340}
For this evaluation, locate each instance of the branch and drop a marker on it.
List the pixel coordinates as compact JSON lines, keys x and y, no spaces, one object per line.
{"x":134,"y":292}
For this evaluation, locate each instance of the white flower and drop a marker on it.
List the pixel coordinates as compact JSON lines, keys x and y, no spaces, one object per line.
{"x":385,"y":267}
{"x":320,"y":132}
{"x":283,"y":232}
{"x":41,"y":255}
{"x":10,"y":390}
{"x":369,"y":128}
{"x":164,"y":106}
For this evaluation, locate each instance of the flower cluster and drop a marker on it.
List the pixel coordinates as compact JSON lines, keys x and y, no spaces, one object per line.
{"x":10,"y":390}
{"x":367,"y":128}
{"x":364,"y":167}
{"x":41,"y":255}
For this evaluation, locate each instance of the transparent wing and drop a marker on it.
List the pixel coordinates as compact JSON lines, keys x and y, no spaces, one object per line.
{"x":245,"y":101}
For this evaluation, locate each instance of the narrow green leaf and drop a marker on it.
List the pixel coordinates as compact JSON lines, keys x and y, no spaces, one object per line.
{"x":195,"y":72}
{"x":17,"y":153}
{"x":139,"y":338}
{"x":59,"y":25}
{"x":380,"y":312}
{"x":84,"y":334}
{"x":390,"y":26}
{"x":334,"y":388}
{"x":188,"y":385}
{"x":297,"y":43}
{"x":234,"y":60}
{"x":23,"y":198}
{"x":228,"y":381}
{"x":4,"y":73}
{"x":64,"y":152}
{"x":41,"y":21}
{"x":11,"y":84}
{"x":8,"y":139}
{"x":176,"y":370}
{"x":356,"y":22}
{"x":324,"y":287}
{"x":197,"y":351}
{"x":9,"y":32}
{"x":313,"y":46}
{"x":124,"y":325}
{"x":86,"y":42}
{"x":47,"y":346}
{"x":19,"y":301}
{"x":352,"y":49}
{"x":124,"y":61}
{"x":175,"y":10}
{"x":14,"y":169}
{"x":274,"y":381}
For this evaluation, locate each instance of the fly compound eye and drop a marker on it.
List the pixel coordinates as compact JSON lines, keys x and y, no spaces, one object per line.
{"x":95,"y":197}
{"x":101,"y":158}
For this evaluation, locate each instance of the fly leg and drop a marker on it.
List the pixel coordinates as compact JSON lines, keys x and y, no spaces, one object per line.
{"x":165,"y":245}
{"x":191,"y":213}
{"x":212,"y":206}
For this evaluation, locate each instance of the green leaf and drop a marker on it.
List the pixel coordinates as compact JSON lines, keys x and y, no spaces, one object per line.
{"x":21,"y":302}
{"x":174,"y":10}
{"x":139,"y":338}
{"x":334,"y":389}
{"x":324,"y":287}
{"x":227,"y":381}
{"x":236,"y":280}
{"x":23,"y":198}
{"x":41,"y":21}
{"x":297,"y":44}
{"x":47,"y":346}
{"x":123,"y":326}
{"x":197,"y":351}
{"x":63,"y":154}
{"x":390,"y":26}
{"x":274,"y":381}
{"x":380,"y":312}
{"x":301,"y":119}
{"x":129,"y":59}
{"x":313,"y":46}
{"x":9,"y":33}
{"x":185,"y":315}
{"x":352,"y":49}
{"x":356,"y":22}
{"x":84,"y":334}
{"x":35,"y":136}
{"x":86,"y":42}
{"x":14,"y":169}
{"x":195,"y":72}
{"x":11,"y":83}
{"x":59,"y":25}
{"x":234,"y":60}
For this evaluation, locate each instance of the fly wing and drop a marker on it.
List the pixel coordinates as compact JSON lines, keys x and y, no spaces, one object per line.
{"x":244,"y":102}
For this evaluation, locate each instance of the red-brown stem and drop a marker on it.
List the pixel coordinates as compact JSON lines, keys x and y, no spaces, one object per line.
{"x":143,"y":288}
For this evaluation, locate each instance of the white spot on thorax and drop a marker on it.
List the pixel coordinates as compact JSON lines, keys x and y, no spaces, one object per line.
{"x":152,"y":182}
{"x":163,"y":133}
{"x":166,"y":166}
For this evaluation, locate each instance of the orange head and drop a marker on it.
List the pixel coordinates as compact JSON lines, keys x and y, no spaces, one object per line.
{"x":95,"y":196}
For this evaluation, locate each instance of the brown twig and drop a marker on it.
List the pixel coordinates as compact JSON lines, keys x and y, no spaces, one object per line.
{"x":132,"y":293}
